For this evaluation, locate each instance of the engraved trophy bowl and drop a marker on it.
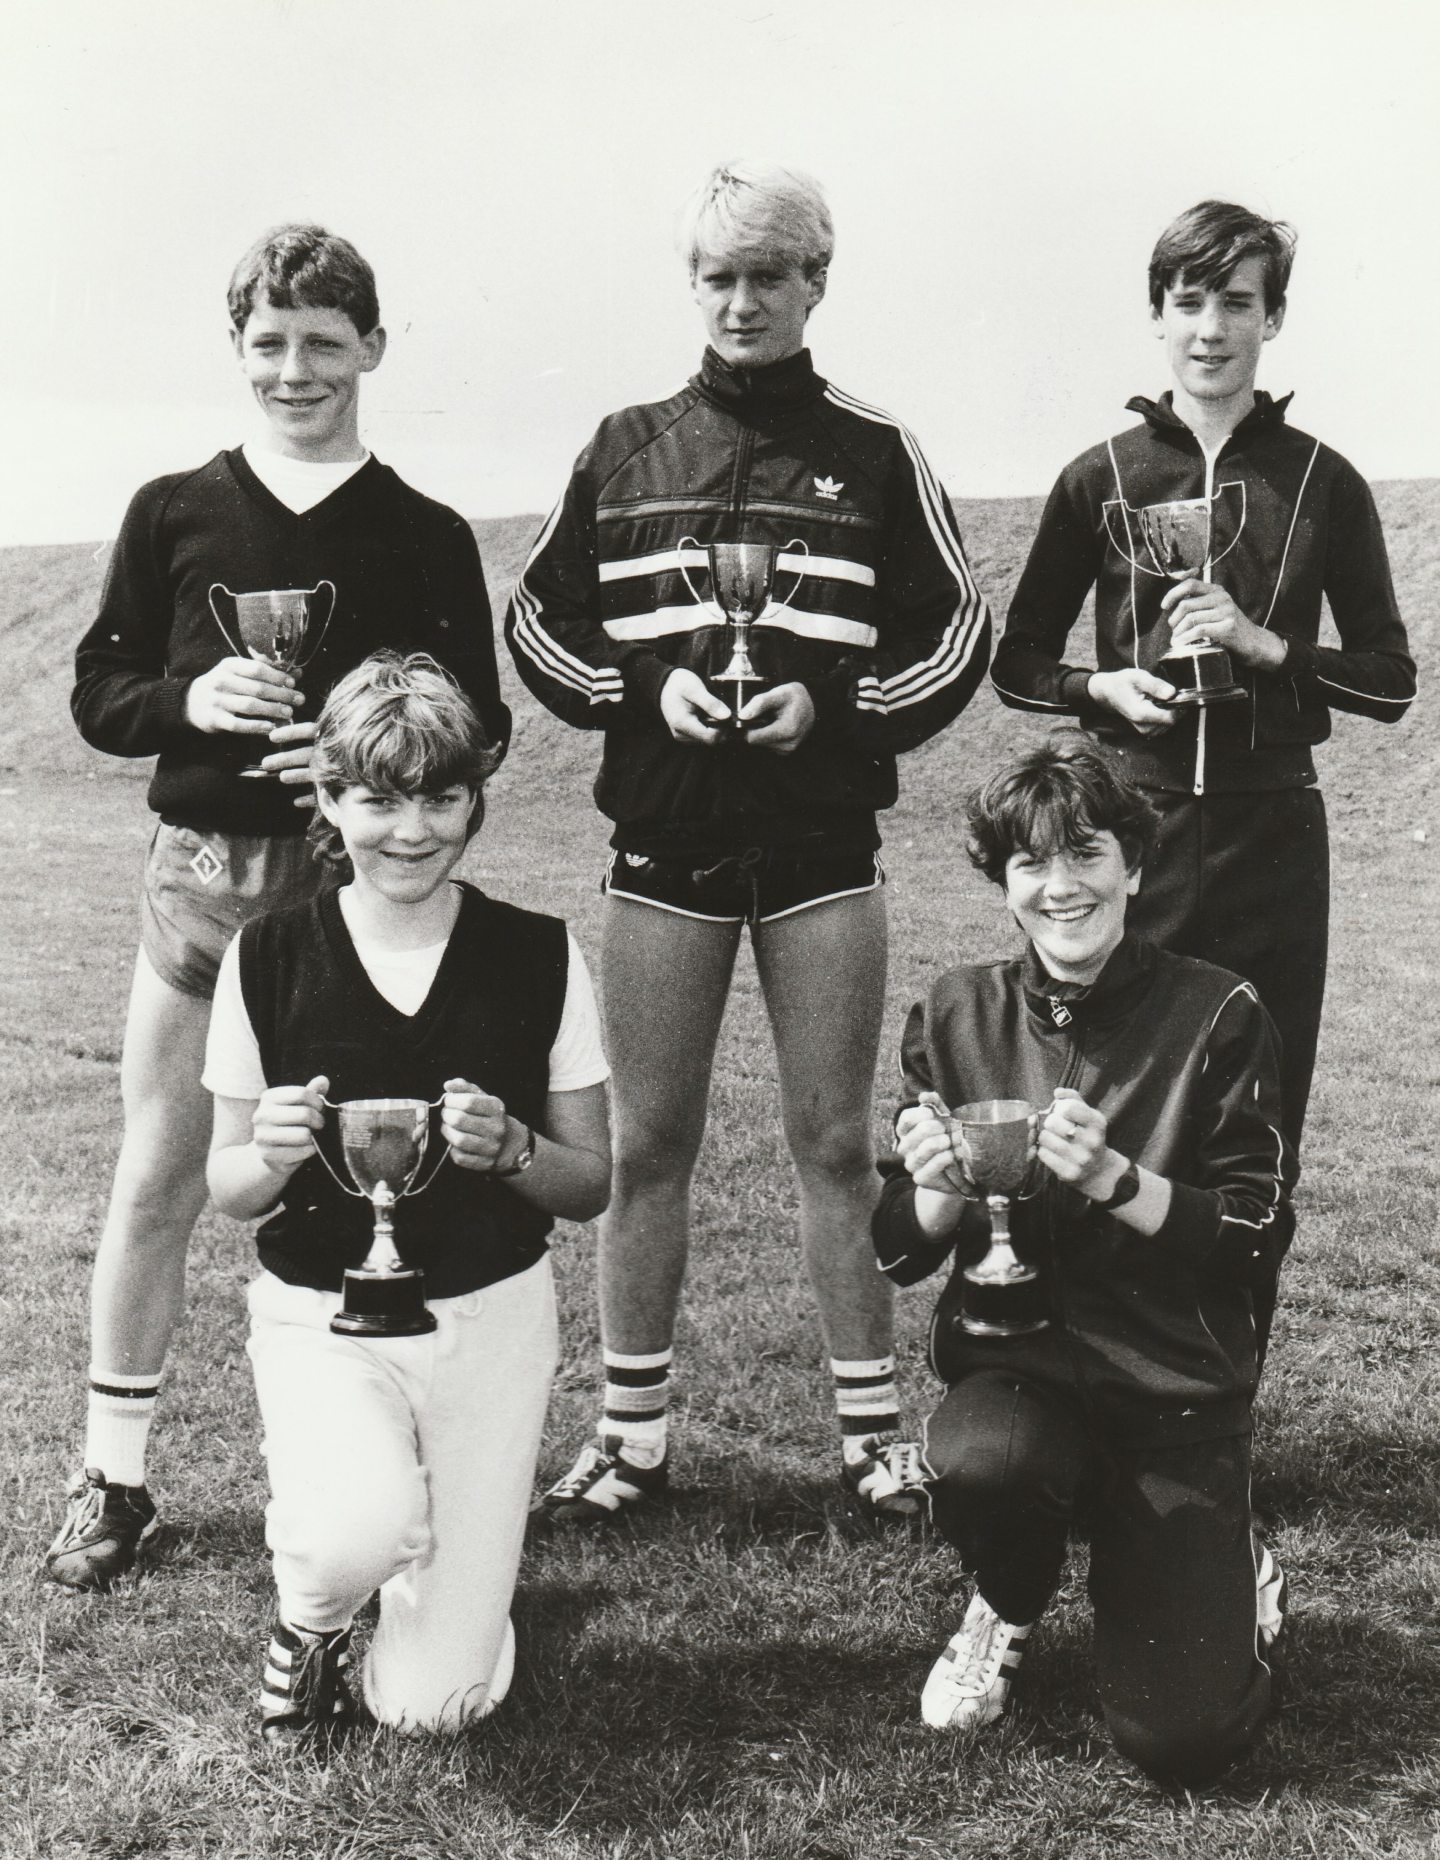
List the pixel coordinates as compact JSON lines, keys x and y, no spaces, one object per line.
{"x":994,"y":1142}
{"x":1177,"y":536}
{"x":274,"y":626}
{"x":742,"y":579}
{"x":383,"y":1141}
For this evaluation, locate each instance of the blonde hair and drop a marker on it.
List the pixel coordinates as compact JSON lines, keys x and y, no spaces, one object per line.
{"x":745,"y":205}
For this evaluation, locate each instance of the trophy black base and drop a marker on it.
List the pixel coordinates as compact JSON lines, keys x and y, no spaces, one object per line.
{"x":384,"y":1305}
{"x":994,"y":1308}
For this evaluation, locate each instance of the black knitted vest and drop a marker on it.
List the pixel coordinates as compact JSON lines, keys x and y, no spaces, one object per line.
{"x":491,"y":1016}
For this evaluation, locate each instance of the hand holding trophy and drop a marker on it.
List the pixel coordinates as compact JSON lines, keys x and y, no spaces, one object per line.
{"x":994,"y":1143}
{"x":274,"y":627}
{"x":1177,"y":536}
{"x":742,"y":579}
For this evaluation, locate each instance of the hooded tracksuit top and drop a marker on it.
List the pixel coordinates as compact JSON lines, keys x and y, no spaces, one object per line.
{"x":1292,"y":522}
{"x":874,"y":609}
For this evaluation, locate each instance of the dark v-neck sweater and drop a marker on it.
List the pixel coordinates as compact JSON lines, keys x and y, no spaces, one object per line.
{"x":406,"y":573}
{"x":491,"y":1016}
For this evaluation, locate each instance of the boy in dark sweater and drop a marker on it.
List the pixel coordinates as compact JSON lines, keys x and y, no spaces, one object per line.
{"x":156,"y":675}
{"x":402,"y":1464}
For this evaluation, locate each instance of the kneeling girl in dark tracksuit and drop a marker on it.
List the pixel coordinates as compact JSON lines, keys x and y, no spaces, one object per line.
{"x":404,"y":1463}
{"x":1163,"y":1199}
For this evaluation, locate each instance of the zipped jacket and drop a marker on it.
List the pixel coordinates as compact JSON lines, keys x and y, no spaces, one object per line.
{"x":874,"y":609}
{"x":1156,"y":1330}
{"x":1292,"y":522}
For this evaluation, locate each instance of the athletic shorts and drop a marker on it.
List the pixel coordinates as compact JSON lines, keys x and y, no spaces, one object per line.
{"x":754,"y":887}
{"x":201,"y":887}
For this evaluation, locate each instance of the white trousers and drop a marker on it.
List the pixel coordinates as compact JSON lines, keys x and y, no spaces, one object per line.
{"x":406,"y":1466}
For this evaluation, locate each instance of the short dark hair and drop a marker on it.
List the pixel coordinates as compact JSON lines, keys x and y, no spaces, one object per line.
{"x":304,"y":268}
{"x":397,"y":725}
{"x":1060,"y":794}
{"x":1207,"y":242}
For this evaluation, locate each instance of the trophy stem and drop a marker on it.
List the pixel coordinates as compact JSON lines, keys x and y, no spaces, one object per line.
{"x":1003,"y":1297}
{"x":384,"y":1298}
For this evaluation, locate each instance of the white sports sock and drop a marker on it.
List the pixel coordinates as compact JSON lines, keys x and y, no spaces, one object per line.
{"x":117,"y":1424}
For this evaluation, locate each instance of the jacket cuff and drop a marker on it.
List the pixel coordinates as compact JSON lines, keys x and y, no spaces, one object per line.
{"x":903,"y":1251}
{"x":1301,"y":658}
{"x":831,"y":693}
{"x":1075,"y":690}
{"x":644,"y":675}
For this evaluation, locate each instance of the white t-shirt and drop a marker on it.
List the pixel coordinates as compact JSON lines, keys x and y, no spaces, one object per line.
{"x":300,"y":484}
{"x":232,"y":1053}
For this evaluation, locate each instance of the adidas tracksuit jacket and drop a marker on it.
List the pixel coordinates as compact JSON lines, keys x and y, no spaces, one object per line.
{"x":874,"y":608}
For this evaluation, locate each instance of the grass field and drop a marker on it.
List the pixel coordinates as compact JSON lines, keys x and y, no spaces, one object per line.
{"x":738,"y":1674}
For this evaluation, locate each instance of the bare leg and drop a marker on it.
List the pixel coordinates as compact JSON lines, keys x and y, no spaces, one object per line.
{"x":664,"y":979}
{"x":823,"y":976}
{"x":159,"y":1187}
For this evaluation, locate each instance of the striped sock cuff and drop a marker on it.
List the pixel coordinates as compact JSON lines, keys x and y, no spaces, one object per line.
{"x":637,"y":1389}
{"x":118,"y":1414}
{"x":865,"y":1396}
{"x":123,"y":1388}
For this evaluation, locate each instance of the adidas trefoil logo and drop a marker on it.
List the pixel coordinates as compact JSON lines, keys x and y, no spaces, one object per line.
{"x":828,"y":489}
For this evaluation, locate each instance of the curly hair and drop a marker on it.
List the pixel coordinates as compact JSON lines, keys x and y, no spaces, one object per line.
{"x":1058,"y":795}
{"x":397,"y":725}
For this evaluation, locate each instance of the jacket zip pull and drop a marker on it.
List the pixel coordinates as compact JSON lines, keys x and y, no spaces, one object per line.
{"x":1200,"y":752}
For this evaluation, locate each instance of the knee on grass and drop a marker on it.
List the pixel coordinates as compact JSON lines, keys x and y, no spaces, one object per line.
{"x":1188,"y":1752}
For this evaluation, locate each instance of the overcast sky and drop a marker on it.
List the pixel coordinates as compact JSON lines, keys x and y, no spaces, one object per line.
{"x":512,"y":168}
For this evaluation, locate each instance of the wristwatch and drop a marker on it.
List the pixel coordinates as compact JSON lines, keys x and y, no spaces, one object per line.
{"x":523,"y":1161}
{"x":1126,"y":1189}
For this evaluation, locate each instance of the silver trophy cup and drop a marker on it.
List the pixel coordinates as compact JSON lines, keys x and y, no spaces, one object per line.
{"x":1177,"y":536}
{"x":994,"y":1145}
{"x":383,"y":1141}
{"x":742,"y":579}
{"x":275,"y":626}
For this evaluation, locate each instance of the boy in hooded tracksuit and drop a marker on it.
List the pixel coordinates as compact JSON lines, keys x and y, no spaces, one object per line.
{"x":1240,"y":875}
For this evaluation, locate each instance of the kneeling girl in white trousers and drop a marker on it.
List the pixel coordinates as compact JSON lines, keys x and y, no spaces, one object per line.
{"x":402,"y":1464}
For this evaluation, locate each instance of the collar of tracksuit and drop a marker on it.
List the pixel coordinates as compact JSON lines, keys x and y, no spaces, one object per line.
{"x":1075,"y":1006}
{"x":1161,"y":413}
{"x":759,"y":394}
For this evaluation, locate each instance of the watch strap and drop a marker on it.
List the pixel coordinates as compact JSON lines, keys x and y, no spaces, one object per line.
{"x":1125,"y":1190}
{"x":523,"y":1161}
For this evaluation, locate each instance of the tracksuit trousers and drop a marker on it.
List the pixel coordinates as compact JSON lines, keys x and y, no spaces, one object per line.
{"x":1172,"y":1564}
{"x":406,"y":1465}
{"x":1243,"y":880}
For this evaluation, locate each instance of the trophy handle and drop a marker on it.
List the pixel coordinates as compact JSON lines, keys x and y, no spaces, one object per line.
{"x":796,"y":542}
{"x":219,"y":587}
{"x":959,"y":1148}
{"x":335,"y":1176}
{"x":1127,"y":547}
{"x":1034,"y":1174}
{"x":300,"y":664}
{"x":705,"y":606}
